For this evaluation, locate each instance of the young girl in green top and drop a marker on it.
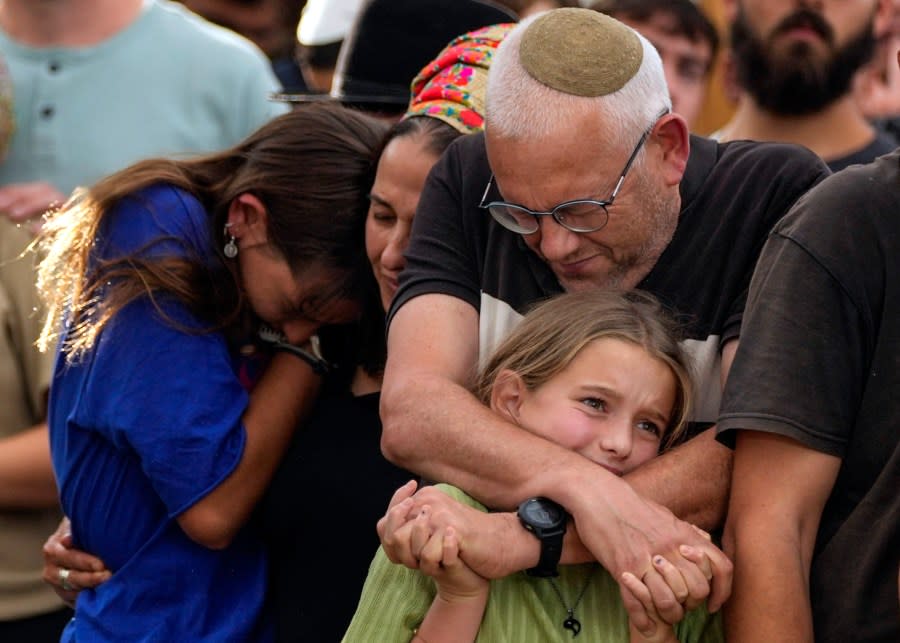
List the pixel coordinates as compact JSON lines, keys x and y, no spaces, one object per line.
{"x":598,"y":372}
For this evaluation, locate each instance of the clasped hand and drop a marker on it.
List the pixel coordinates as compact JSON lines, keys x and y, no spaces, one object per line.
{"x":656,"y":591}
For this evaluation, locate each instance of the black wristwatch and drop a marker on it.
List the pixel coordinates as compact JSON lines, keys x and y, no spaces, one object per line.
{"x":547,"y":521}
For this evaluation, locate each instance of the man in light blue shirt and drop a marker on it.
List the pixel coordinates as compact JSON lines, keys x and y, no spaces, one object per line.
{"x":100,"y":84}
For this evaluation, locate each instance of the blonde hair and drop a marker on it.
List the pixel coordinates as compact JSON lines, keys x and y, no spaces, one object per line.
{"x":557,"y":329}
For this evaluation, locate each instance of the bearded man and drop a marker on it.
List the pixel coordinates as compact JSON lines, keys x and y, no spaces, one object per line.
{"x":794,"y":64}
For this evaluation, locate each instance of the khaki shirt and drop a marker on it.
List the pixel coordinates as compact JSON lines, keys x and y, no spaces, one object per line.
{"x":24,"y":379}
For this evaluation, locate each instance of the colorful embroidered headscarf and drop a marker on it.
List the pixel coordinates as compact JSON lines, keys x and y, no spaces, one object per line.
{"x":453,"y":87}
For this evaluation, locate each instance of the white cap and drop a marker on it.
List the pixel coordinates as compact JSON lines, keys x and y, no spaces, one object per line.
{"x":326,"y":21}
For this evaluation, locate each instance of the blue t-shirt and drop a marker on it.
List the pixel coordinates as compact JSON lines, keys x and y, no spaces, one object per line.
{"x":141,"y":428}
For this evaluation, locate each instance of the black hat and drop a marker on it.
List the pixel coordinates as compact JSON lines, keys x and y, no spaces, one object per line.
{"x":390,"y":42}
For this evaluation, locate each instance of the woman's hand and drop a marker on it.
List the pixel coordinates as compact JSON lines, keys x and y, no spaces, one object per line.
{"x":68,"y":570}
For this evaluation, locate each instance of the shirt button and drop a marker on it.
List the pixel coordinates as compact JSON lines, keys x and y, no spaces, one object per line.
{"x":47,"y":112}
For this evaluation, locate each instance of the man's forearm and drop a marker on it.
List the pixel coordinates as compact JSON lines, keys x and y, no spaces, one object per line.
{"x":779,"y":490}
{"x":26,"y":473}
{"x":460,"y":441}
{"x":502,"y":465}
{"x":664,"y":481}
{"x":692,"y":480}
{"x":770,"y":597}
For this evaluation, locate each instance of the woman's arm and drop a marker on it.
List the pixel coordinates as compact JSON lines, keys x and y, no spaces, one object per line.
{"x":283,"y":395}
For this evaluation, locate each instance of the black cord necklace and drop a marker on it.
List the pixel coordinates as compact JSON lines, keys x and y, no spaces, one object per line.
{"x":572,"y":623}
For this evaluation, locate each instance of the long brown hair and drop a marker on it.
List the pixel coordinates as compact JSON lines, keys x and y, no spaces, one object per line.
{"x":312,"y":169}
{"x":554,"y":331}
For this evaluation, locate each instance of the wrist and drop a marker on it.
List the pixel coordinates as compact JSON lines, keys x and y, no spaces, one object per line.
{"x":664,"y":634}
{"x":547,"y":521}
{"x":476,"y":595}
{"x":521,"y":550}
{"x":570,"y":485}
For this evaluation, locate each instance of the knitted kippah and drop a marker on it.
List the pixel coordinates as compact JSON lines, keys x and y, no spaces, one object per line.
{"x":580,"y":52}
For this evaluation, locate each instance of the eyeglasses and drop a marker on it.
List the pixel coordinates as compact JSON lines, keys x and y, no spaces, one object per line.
{"x":580,"y":215}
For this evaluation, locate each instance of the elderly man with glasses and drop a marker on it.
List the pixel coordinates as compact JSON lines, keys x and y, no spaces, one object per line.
{"x":583,"y":179}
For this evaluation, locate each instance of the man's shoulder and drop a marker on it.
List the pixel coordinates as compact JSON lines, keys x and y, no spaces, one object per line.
{"x":766,"y":172}
{"x":858,"y":200}
{"x":464,"y":168}
{"x":469,"y":150}
{"x":764,"y":153}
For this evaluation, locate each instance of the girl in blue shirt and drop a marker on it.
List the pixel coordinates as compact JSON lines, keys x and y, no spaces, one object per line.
{"x":158,"y":279}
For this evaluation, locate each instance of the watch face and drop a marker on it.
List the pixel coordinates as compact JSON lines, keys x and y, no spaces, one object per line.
{"x":542,"y":513}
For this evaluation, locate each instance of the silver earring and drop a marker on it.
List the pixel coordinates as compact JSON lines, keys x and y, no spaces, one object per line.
{"x":230,"y":250}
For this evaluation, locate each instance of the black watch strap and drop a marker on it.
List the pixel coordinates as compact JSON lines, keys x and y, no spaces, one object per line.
{"x":551,"y":551}
{"x":546,"y":520}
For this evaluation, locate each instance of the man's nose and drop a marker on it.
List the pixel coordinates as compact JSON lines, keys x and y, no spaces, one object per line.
{"x":557,"y":242}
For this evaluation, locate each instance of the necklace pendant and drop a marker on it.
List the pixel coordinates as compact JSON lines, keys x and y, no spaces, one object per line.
{"x":573,"y":624}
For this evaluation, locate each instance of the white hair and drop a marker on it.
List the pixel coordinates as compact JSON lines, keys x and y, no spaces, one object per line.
{"x":518,"y":106}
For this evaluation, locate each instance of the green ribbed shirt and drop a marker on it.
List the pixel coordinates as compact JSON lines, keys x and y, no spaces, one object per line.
{"x":520,"y":609}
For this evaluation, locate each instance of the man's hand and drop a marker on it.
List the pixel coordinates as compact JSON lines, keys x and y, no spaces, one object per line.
{"x":630,"y":534}
{"x":26,"y":203}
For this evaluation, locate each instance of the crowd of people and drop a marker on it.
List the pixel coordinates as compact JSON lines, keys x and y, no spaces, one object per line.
{"x":438,"y":320}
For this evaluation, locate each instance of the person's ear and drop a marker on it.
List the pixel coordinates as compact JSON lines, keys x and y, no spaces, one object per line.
{"x":248,"y":220}
{"x":671,"y":138}
{"x":508,"y":394}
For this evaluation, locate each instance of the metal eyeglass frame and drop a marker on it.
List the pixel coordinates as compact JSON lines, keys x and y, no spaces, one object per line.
{"x":553,"y":212}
